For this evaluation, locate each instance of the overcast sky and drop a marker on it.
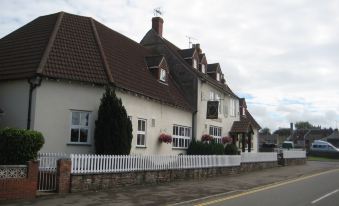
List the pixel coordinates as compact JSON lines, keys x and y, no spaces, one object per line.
{"x":283,"y":56}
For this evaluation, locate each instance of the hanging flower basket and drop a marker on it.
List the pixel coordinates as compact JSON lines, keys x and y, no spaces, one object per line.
{"x":226,"y":140}
{"x":166,"y":138}
{"x":206,"y":138}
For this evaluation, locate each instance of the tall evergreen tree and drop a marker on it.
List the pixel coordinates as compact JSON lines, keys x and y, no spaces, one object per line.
{"x":113,"y":129}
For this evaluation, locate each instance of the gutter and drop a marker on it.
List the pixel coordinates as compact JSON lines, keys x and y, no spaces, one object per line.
{"x":33,"y":83}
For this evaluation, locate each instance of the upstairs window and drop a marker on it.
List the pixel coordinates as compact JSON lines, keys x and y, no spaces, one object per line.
{"x":80,"y":127}
{"x":195,"y":64}
{"x":233,"y":107}
{"x":218,"y":76}
{"x":217,"y":98}
{"x":162,"y":75}
{"x":203,"y":68}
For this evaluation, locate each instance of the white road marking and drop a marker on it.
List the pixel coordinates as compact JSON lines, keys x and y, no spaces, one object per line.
{"x":324,"y":196}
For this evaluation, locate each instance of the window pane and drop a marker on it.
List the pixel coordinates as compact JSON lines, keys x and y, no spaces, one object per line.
{"x":83,"y":135}
{"x":84,"y":118}
{"x":143,"y":125}
{"x":75,"y":118}
{"x":74,"y":135}
{"x":139,"y":125}
{"x":181,"y":131}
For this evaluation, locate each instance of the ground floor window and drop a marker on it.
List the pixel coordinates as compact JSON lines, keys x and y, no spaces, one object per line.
{"x":141,"y":132}
{"x":80,"y":126}
{"x":216,"y":133}
{"x":181,"y":136}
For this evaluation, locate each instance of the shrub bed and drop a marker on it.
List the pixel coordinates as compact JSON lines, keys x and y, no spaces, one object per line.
{"x":17,"y":146}
{"x":202,"y":148}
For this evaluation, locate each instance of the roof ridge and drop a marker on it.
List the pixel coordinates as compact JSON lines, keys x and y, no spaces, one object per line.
{"x":50,"y":43}
{"x":102,"y":53}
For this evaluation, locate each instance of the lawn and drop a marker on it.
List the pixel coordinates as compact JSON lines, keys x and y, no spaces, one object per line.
{"x":325,"y":159}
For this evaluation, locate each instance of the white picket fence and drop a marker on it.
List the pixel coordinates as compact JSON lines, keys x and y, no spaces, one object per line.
{"x":126,"y":163}
{"x":259,"y":157}
{"x":288,"y":154}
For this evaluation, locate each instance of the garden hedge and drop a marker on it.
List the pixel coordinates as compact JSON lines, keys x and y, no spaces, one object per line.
{"x":17,"y":146}
{"x":202,"y":148}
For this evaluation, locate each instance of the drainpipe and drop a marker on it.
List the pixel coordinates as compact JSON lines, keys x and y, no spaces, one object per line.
{"x":194,"y":133}
{"x":33,"y":83}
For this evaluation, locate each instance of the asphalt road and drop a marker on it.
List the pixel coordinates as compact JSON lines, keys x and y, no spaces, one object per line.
{"x":320,"y":189}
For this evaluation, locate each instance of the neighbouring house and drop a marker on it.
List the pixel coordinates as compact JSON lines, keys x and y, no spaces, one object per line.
{"x":333,"y":138}
{"x":202,"y":83}
{"x":52,"y":76}
{"x":53,"y":73}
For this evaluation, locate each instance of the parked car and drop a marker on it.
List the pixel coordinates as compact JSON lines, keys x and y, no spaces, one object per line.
{"x":323,"y":146}
{"x":287,"y":145}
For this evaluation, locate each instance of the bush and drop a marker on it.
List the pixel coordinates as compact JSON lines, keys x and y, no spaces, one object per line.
{"x":113,"y":129}
{"x":17,"y":146}
{"x":200,"y":148}
{"x":231,"y":149}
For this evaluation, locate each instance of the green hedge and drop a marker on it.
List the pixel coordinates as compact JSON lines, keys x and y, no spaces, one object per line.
{"x":200,"y":148}
{"x":231,"y":149}
{"x":18,"y":145}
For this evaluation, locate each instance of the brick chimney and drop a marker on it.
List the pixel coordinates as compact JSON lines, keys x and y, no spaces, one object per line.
{"x":197,"y":47}
{"x":157,"y":23}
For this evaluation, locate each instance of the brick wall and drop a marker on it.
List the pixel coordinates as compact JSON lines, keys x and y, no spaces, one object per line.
{"x":294,"y":161}
{"x":20,"y":188}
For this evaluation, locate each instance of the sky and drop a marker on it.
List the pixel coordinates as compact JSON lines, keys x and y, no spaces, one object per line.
{"x":282,"y":56}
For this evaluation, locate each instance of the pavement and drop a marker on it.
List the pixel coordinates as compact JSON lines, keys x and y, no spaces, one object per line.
{"x":183,"y":192}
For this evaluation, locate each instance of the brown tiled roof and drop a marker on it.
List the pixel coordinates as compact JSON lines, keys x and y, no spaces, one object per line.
{"x":66,"y":46}
{"x":187,"y":53}
{"x":241,"y":126}
{"x":212,"y":67}
{"x":250,"y":118}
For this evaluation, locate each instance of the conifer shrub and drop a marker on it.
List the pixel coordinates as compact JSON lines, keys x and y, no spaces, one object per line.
{"x":113,"y":128}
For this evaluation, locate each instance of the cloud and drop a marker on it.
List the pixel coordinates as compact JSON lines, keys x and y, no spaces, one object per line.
{"x":281,"y":55}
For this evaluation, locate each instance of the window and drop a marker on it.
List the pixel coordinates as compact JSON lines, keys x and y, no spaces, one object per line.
{"x":195,"y":64}
{"x":211,"y":96}
{"x":216,"y":133}
{"x":233,"y":107}
{"x":203,"y":68}
{"x":181,"y":136}
{"x":218,"y":76}
{"x":217,"y":98}
{"x":141,"y":133}
{"x":162,"y":75}
{"x":80,"y":127}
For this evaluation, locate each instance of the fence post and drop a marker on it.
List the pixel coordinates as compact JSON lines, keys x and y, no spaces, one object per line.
{"x":63,"y":183}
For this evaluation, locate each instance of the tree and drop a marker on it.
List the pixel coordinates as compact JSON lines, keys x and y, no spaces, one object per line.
{"x":265,"y":131}
{"x":282,"y":132}
{"x":303,"y":125}
{"x":113,"y":129}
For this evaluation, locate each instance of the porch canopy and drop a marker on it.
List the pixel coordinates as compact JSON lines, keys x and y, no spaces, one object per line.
{"x":245,"y":129}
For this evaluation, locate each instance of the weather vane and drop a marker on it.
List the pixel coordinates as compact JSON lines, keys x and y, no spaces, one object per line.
{"x":157,"y":11}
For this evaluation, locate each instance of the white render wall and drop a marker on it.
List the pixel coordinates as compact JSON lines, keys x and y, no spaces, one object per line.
{"x":202,"y":124}
{"x":14,"y":97}
{"x":54,"y":100}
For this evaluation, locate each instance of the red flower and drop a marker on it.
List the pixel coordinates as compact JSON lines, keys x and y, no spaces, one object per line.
{"x":206,"y":138}
{"x":226,"y":140}
{"x":165,"y":138}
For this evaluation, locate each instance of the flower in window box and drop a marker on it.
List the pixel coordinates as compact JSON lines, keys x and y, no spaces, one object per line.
{"x":206,"y":138}
{"x":226,"y":140}
{"x":166,"y":138}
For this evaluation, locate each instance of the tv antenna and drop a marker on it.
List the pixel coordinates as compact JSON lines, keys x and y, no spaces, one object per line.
{"x":157,"y":12}
{"x":190,"y":38}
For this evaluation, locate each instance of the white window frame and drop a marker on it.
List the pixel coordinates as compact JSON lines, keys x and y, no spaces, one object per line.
{"x":203,"y":68}
{"x":216,"y":133}
{"x":162,"y":75}
{"x":233,"y":107}
{"x":182,"y":136}
{"x":141,"y":132}
{"x":195,"y":64}
{"x":218,"y":76}
{"x":79,"y":127}
{"x":217,"y":98}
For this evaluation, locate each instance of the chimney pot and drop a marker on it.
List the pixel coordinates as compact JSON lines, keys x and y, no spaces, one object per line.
{"x":157,"y":25}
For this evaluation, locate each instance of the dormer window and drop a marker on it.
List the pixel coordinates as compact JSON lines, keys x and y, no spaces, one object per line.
{"x":162,"y":75}
{"x":195,"y":64}
{"x":218,"y":76}
{"x":203,"y":68}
